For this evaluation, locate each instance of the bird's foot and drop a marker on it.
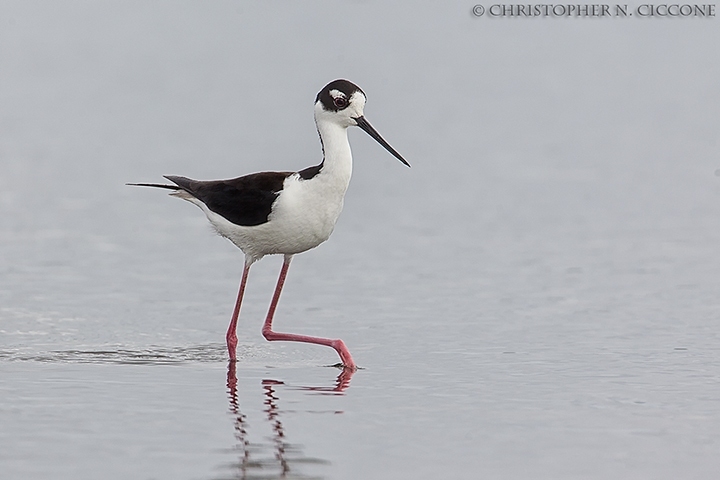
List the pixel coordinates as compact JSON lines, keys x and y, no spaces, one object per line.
{"x":342,"y":366}
{"x":346,"y":360}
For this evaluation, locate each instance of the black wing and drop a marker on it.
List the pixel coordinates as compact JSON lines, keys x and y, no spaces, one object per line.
{"x":245,"y":201}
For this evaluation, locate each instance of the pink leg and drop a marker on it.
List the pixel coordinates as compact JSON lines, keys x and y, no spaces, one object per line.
{"x":231,"y":335}
{"x":271,"y":336}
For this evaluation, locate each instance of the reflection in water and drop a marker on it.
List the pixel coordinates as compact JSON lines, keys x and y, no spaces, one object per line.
{"x":341,"y":383}
{"x":253,"y":462}
{"x":276,"y":459}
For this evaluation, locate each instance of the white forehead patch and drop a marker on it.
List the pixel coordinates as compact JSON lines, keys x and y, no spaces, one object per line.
{"x":337,"y":94}
{"x":358,"y":98}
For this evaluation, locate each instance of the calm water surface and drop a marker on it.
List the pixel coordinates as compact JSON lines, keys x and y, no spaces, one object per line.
{"x":536,"y":298}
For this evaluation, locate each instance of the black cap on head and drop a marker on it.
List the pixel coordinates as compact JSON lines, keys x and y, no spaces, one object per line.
{"x":330,"y":103}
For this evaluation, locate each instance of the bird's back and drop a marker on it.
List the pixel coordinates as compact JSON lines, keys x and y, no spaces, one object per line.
{"x":244,"y":201}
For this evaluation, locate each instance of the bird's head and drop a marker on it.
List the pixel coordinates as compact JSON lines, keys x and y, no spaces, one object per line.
{"x":342,"y":102}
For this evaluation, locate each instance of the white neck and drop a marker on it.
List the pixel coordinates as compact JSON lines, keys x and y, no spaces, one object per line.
{"x":336,"y":148}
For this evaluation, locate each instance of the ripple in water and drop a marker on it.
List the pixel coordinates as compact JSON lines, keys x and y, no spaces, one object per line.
{"x":153,"y":355}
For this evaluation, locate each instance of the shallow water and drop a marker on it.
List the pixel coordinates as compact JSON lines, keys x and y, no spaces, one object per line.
{"x":535,"y":298}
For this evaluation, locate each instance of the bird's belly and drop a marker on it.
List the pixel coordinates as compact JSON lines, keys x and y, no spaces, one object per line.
{"x":299,"y":222}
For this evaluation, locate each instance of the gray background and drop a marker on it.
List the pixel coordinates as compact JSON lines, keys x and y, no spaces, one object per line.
{"x":536,"y":298}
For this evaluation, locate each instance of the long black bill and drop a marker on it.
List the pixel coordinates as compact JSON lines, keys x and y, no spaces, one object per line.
{"x":365,"y":125}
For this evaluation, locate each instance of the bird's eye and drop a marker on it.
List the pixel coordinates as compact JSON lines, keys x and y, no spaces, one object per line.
{"x":340,"y":102}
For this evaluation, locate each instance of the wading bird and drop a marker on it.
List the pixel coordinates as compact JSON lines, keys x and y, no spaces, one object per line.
{"x":286,"y":213}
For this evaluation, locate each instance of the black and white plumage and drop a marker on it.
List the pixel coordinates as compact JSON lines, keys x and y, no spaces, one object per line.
{"x":286,"y":212}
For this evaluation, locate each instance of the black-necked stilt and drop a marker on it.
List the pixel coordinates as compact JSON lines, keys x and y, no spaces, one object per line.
{"x":286,"y":212}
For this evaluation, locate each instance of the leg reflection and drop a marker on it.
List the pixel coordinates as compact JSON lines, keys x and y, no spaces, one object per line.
{"x":273,"y":415}
{"x":278,"y":458}
{"x":342,"y":382}
{"x":239,"y":421}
